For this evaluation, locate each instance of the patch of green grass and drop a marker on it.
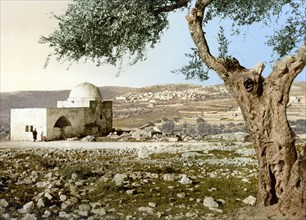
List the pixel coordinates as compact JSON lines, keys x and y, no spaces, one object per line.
{"x":224,"y":154}
{"x":163,"y":156}
{"x":83,"y":171}
{"x":156,"y":168}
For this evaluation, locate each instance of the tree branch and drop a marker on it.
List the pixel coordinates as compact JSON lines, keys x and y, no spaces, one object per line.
{"x":290,"y":67}
{"x":195,"y":22}
{"x":258,"y":68}
{"x":172,"y":7}
{"x":284,"y":73}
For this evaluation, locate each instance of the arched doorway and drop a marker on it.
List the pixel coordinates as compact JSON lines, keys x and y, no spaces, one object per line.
{"x":62,"y":123}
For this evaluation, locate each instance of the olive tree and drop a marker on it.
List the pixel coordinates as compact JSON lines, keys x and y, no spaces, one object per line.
{"x":108,"y":31}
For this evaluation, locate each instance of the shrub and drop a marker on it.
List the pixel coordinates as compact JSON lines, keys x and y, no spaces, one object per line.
{"x":168,"y":127}
{"x":200,"y":120}
{"x":203,"y":128}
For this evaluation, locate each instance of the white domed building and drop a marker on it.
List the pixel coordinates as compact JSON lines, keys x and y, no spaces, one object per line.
{"x":83,"y":113}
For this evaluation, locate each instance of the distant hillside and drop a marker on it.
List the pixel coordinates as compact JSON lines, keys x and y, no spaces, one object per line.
{"x":147,"y":102}
{"x":42,"y":99}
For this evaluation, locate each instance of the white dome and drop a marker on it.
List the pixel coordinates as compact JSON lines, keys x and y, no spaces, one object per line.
{"x":85,"y":91}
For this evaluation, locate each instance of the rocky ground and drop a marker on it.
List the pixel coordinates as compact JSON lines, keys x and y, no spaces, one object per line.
{"x":208,"y":180}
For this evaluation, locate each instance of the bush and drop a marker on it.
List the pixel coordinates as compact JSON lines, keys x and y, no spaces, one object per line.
{"x":168,"y":127}
{"x":200,"y":120}
{"x":203,"y":128}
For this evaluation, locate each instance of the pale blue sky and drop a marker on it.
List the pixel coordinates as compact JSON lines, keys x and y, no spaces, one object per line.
{"x":22,"y":57}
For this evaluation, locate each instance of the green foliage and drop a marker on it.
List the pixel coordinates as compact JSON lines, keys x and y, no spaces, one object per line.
{"x":290,"y":35}
{"x":268,"y":13}
{"x":195,"y":68}
{"x":223,"y":44}
{"x":106,"y":31}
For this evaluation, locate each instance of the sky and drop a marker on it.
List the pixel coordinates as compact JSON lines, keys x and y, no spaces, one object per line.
{"x":23,"y":58}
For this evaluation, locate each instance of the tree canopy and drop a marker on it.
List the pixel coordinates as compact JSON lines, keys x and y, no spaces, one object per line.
{"x":106,"y":31}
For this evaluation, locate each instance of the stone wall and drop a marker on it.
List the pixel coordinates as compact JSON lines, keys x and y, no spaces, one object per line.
{"x":98,"y":118}
{"x":74,"y":115}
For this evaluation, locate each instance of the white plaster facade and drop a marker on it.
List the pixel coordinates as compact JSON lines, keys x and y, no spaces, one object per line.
{"x":83,"y":113}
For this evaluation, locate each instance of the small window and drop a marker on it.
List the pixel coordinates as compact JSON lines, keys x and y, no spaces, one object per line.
{"x":31,"y":128}
{"x":27,"y":128}
{"x":101,"y":116}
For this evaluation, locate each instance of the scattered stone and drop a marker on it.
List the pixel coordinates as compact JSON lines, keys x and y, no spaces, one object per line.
{"x":83,"y":213}
{"x":191,"y":154}
{"x":40,"y":203}
{"x":129,"y":217}
{"x":216,"y":210}
{"x":251,"y":200}
{"x":3,"y":203}
{"x":169,"y":177}
{"x":152,"y":204}
{"x":191,"y":215}
{"x":28,"y":207}
{"x":88,"y":138}
{"x":84,"y":207}
{"x":74,"y":176}
{"x":72,"y":194}
{"x":63,"y":198}
{"x":46,"y":214}
{"x":143,"y":153}
{"x":48,"y":196}
{"x":73,"y":139}
{"x":181,"y":195}
{"x":41,"y":184}
{"x":119,"y":178}
{"x":64,"y":215}
{"x":48,"y":175}
{"x":159,"y":215}
{"x":99,"y":211}
{"x":64,"y":206}
{"x":212,"y":189}
{"x":29,"y":217}
{"x":5,"y":215}
{"x":185,"y":180}
{"x":209,"y":202}
{"x":221,"y":201}
{"x":130,"y":191}
{"x":148,"y":210}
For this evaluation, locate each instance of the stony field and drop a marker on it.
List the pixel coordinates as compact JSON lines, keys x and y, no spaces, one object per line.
{"x":208,"y":180}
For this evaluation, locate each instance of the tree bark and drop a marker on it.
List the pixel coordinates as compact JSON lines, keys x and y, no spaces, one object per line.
{"x":263,"y":102}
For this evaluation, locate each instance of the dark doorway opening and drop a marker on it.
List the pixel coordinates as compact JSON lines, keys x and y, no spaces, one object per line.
{"x":62,"y":122}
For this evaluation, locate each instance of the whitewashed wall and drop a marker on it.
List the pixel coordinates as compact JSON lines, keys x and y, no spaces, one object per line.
{"x":20,"y":118}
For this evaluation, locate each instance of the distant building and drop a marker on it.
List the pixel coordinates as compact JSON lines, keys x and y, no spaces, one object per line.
{"x":83,"y":113}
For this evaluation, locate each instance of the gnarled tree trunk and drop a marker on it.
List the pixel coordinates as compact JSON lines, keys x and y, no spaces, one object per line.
{"x":263,"y":104}
{"x":282,"y":173}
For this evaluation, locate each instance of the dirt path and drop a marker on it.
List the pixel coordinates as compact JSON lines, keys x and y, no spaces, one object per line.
{"x":88,"y":145}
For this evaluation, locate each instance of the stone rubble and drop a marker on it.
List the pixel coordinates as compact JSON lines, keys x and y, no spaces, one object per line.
{"x":250,"y":200}
{"x":75,"y":183}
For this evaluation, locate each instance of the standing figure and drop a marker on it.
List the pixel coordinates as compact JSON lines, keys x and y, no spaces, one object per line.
{"x":34,"y":134}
